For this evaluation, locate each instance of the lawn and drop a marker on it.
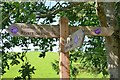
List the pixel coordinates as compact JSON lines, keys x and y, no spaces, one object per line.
{"x":43,"y":67}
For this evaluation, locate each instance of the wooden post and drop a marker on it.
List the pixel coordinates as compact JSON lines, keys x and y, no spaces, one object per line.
{"x":64,"y":56}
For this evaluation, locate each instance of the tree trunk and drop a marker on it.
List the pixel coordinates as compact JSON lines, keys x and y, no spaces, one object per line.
{"x":108,"y":18}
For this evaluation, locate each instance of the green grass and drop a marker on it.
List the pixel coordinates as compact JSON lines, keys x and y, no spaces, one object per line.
{"x":43,"y":67}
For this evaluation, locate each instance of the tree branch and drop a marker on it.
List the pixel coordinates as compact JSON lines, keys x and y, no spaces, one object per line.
{"x":54,"y":12}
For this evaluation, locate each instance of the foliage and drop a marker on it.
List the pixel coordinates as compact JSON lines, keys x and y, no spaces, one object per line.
{"x":92,"y":58}
{"x":55,"y":66}
{"x":43,"y":66}
{"x":79,"y":14}
{"x":24,"y":12}
{"x":26,"y":71}
{"x":14,"y":59}
{"x":84,"y":14}
{"x":118,"y":12}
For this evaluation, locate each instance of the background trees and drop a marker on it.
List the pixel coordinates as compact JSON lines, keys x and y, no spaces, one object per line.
{"x":92,"y":54}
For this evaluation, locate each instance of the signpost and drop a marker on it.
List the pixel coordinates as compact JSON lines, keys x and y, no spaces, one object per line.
{"x":53,"y":31}
{"x":32,"y":30}
{"x":75,"y":40}
{"x":93,"y":31}
{"x":62,"y":32}
{"x":64,"y":56}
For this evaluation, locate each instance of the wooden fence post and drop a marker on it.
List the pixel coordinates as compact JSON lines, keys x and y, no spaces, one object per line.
{"x":64,"y":56}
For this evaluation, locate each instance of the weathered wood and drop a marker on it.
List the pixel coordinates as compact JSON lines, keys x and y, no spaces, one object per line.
{"x":74,"y":40}
{"x":32,"y":30}
{"x":104,"y":31}
{"x":53,"y":31}
{"x":64,"y":56}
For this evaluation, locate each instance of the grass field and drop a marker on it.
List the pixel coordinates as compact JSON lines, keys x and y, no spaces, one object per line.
{"x":43,"y":67}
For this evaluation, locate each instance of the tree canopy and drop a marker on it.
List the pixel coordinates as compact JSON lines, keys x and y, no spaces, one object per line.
{"x":92,"y":56}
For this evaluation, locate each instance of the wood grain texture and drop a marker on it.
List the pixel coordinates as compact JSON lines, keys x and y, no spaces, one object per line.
{"x":53,"y":31}
{"x":64,"y":56}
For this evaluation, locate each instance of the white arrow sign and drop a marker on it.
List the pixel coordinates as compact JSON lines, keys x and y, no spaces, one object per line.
{"x":75,"y":40}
